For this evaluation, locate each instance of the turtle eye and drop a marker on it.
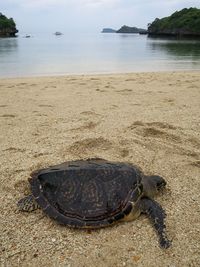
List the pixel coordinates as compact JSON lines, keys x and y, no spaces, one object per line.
{"x":160,"y":183}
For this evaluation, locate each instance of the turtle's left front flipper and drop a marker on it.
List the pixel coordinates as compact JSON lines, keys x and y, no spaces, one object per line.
{"x":157,"y":215}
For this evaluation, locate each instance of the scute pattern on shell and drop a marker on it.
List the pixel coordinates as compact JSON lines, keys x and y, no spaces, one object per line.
{"x":86,"y":192}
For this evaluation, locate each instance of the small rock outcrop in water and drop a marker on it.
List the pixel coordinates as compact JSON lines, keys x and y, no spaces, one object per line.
{"x":181,"y":23}
{"x":108,"y":30}
{"x":58,"y":33}
{"x":7,"y":27}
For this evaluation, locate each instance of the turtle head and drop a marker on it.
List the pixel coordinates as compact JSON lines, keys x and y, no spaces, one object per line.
{"x":153,"y":184}
{"x":158,"y":182}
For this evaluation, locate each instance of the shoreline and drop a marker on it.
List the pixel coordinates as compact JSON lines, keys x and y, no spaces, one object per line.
{"x":149,"y":119}
{"x":46,"y":76}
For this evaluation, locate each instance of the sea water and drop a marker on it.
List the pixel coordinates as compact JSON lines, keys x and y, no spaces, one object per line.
{"x":47,"y":54}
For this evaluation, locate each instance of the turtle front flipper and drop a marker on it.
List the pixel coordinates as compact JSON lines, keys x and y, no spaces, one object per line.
{"x":27,"y":203}
{"x":157,"y":215}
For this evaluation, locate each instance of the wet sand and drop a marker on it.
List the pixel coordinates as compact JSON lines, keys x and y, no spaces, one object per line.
{"x":149,"y":119}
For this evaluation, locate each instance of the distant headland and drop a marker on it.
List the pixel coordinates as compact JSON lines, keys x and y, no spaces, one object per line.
{"x":127,"y":29}
{"x":185,"y":22}
{"x":124,"y":29}
{"x":7,"y":27}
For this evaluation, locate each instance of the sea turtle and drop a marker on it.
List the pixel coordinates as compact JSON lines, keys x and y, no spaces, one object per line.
{"x":95,"y":193}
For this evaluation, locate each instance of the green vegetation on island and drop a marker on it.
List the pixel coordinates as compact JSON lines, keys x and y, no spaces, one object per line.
{"x":127,"y":29}
{"x":7,"y":26}
{"x":181,"y":23}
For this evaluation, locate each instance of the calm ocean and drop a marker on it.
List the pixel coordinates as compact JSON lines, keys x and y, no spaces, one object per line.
{"x":95,"y":53}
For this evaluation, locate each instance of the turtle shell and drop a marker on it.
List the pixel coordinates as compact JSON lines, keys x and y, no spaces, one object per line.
{"x":87,"y":193}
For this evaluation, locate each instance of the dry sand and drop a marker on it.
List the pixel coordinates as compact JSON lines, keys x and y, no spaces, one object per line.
{"x":150,"y":119}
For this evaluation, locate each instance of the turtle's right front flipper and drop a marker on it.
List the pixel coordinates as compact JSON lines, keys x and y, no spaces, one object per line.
{"x":157,"y":215}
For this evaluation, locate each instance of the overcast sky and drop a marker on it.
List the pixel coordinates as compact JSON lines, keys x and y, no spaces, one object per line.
{"x":33,"y":16}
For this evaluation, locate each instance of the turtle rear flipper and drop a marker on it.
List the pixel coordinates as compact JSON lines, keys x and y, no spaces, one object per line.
{"x":157,"y":215}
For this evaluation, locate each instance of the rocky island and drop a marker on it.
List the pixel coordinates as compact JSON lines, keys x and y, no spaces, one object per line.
{"x":7,"y":27}
{"x":181,"y":23}
{"x":108,"y":30}
{"x":127,"y":29}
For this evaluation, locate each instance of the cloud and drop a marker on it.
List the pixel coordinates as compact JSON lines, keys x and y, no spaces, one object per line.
{"x":60,"y":3}
{"x":95,"y":3}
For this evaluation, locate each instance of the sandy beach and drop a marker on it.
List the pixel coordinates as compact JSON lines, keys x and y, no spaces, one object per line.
{"x":149,"y":119}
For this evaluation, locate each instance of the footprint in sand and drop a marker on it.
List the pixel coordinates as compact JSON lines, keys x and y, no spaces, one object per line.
{"x":44,"y":105}
{"x":195,"y":142}
{"x":14,"y":149}
{"x":114,"y":107}
{"x":85,"y":126}
{"x":94,"y":79}
{"x":89,"y":146}
{"x":155,"y":130}
{"x":89,"y":113}
{"x":130,"y":80}
{"x":196,"y":163}
{"x":193,"y":86}
{"x":88,"y":119}
{"x":124,"y":91}
{"x":163,"y":135}
{"x":101,"y":90}
{"x":161,"y":125}
{"x":22,"y":83}
{"x":171,"y":101}
{"x":8,"y":116}
{"x":157,"y":124}
{"x":156,"y":133}
{"x":40,"y":154}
